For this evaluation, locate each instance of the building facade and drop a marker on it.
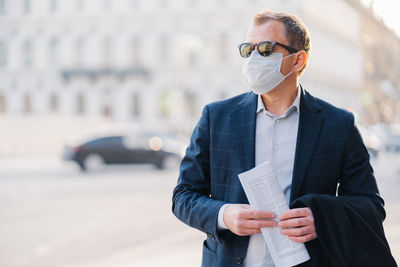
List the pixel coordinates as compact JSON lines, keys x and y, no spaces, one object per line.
{"x":380,"y":96}
{"x":158,"y":60}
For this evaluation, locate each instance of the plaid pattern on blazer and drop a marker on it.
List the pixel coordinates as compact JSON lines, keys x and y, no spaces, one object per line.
{"x":329,"y":151}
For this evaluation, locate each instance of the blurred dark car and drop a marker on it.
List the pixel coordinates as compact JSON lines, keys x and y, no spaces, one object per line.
{"x":372,"y":142}
{"x":162,"y":151}
{"x":392,"y":143}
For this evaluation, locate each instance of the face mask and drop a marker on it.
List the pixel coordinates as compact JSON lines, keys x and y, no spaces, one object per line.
{"x":263,"y":73}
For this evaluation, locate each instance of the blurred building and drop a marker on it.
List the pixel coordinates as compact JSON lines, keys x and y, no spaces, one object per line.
{"x":159,"y":61}
{"x":127,"y":60}
{"x":380,"y":96}
{"x":335,"y":70}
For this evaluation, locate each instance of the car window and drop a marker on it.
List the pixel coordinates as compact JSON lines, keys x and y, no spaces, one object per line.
{"x":135,"y":141}
{"x":110,"y":141}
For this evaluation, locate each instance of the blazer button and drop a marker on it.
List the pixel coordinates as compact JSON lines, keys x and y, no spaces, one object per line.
{"x":238,"y":260}
{"x":211,"y":236}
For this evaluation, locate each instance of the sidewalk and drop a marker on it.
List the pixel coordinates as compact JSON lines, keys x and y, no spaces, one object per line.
{"x":179,"y":249}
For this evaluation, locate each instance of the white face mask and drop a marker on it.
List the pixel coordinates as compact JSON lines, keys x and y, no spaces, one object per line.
{"x":263,"y":74}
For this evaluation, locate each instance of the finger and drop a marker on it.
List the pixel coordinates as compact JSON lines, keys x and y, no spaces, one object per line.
{"x":256,"y":214}
{"x":298,"y":231}
{"x":295,"y":213}
{"x":245,"y":232}
{"x":257,"y":224}
{"x":296,"y":222}
{"x":304,"y":238}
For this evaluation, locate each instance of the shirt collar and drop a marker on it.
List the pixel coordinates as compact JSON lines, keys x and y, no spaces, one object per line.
{"x":296,"y":103}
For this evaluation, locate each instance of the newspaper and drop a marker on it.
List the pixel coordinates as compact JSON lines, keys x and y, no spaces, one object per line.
{"x":264,"y":193}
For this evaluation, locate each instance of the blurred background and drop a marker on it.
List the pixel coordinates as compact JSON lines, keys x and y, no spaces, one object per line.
{"x":98,"y":99}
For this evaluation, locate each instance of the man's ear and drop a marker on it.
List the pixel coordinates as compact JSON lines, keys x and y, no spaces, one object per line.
{"x":301,"y":60}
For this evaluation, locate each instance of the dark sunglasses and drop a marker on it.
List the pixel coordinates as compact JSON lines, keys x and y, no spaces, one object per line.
{"x":264,"y":48}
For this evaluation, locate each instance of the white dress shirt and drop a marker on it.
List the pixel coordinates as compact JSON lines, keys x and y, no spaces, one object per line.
{"x":276,"y":142}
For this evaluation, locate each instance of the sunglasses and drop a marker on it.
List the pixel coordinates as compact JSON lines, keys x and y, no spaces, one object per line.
{"x":264,"y":48}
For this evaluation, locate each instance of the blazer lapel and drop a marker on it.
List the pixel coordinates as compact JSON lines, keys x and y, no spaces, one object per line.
{"x":244,"y":119}
{"x":310,"y":123}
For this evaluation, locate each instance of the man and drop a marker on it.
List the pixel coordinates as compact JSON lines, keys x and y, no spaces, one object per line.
{"x":315,"y":150}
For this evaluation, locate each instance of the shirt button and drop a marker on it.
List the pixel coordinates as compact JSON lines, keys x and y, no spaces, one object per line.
{"x":238,"y":260}
{"x":278,"y":120}
{"x":276,"y":147}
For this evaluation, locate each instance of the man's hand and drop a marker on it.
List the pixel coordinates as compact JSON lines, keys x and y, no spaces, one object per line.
{"x":298,"y":225}
{"x":242,"y":220}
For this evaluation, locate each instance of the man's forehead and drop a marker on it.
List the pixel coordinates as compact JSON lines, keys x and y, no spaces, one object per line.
{"x":271,"y":30}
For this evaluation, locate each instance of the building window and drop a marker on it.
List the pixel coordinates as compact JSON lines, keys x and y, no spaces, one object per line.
{"x":80,"y":5}
{"x":107,"y":51}
{"x":3,"y":54}
{"x":80,"y":50}
{"x":192,"y":3}
{"x":136,"y":51}
{"x":106,"y":110}
{"x":53,"y":6}
{"x":27,"y":6}
{"x":192,"y":58}
{"x":222,"y":94}
{"x":2,"y":7}
{"x":135,"y":105}
{"x":54,"y":103}
{"x":107,"y":4}
{"x":3,"y":104}
{"x":28,"y":53}
{"x":135,"y":3}
{"x":191,"y":46}
{"x":163,"y":3}
{"x":81,"y":104}
{"x":222,"y":47}
{"x":53,"y":51}
{"x":190,"y":100}
{"x":163,"y":49}
{"x":27,"y":103}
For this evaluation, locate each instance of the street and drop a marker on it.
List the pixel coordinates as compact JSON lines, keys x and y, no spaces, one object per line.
{"x":53,"y":215}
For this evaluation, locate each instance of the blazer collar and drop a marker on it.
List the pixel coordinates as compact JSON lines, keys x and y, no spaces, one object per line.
{"x":310,"y":123}
{"x":244,"y":119}
{"x":308,"y":102}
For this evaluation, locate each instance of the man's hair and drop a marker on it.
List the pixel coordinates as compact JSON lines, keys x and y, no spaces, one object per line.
{"x":296,"y":31}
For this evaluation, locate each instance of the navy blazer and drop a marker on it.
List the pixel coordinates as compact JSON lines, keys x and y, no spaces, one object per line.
{"x":329,"y":152}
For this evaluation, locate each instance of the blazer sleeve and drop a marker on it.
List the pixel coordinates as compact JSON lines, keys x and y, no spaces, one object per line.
{"x":357,"y":175}
{"x":349,"y":225}
{"x":191,"y":201}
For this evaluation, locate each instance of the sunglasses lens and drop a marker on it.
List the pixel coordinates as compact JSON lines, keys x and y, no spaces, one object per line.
{"x":246,"y":49}
{"x":265,"y":48}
